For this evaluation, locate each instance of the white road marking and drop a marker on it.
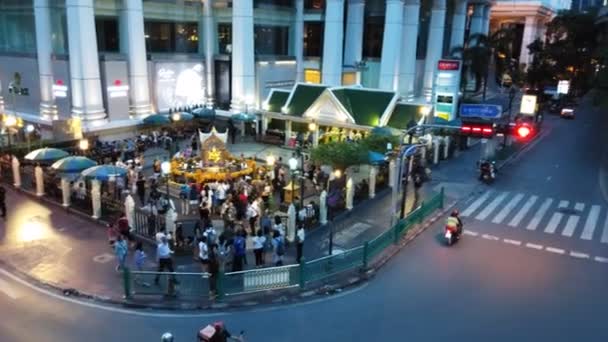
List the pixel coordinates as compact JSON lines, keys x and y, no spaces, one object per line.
{"x":534,"y":246}
{"x":488,"y":210}
{"x":579,"y":255}
{"x":490,"y":237}
{"x":591,"y":223}
{"x":468,"y":232}
{"x":553,"y":223}
{"x":555,"y":250}
{"x":573,"y":220}
{"x":475,"y":205}
{"x":6,"y":288}
{"x":523,"y":211}
{"x":507,"y":209}
{"x":538,"y":216}
{"x":604,"y":238}
{"x":601,"y":259}
{"x":103,"y":258}
{"x":512,"y":242}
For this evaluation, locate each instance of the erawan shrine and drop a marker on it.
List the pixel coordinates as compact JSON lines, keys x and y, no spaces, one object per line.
{"x":214,"y":163}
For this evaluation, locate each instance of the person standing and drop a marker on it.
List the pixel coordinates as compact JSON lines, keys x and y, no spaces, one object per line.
{"x":203,"y":253}
{"x":3,"y":201}
{"x":232,"y":130}
{"x":239,"y":251}
{"x":213,"y":270}
{"x":163,"y":256}
{"x":259,"y":241}
{"x":140,"y":184}
{"x":253,"y":212}
{"x":278,"y":249}
{"x":121,"y":250}
{"x":184,"y":193}
{"x":300,"y":236}
{"x":140,"y":259}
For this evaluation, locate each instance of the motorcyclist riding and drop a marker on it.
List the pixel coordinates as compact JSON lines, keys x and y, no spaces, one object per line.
{"x":217,"y":332}
{"x":454,"y":221}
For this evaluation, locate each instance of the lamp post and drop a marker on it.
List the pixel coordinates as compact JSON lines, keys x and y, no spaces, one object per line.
{"x":165,"y":168}
{"x":9,"y":122}
{"x":293,"y":166}
{"x":28,"y":130}
{"x":83,"y":145}
{"x":337,"y":174}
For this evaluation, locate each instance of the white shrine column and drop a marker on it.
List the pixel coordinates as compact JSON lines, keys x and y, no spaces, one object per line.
{"x":210,"y":37}
{"x":299,"y":40}
{"x":391,"y":43}
{"x":407,"y":67}
{"x":139,"y":91}
{"x":87,"y":101}
{"x":528,"y":37}
{"x":459,"y":20}
{"x":42,"y":17}
{"x":476,"y":19}
{"x":485,"y":25}
{"x":332,"y":43}
{"x":434,"y":49}
{"x":353,"y":46}
{"x":243,"y":61}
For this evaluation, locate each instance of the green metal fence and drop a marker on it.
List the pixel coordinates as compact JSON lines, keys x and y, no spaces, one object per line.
{"x":234,"y":283}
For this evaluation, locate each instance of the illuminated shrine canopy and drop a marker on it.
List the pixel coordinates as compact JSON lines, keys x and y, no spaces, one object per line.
{"x":213,"y":147}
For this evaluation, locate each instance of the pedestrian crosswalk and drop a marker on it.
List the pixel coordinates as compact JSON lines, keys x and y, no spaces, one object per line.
{"x":552,"y":216}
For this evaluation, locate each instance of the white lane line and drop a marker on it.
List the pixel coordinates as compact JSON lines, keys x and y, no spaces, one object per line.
{"x":601,"y":259}
{"x":507,"y":209}
{"x":523,"y":211}
{"x":468,"y":232}
{"x":538,"y":216}
{"x":604,"y":238}
{"x":555,"y":250}
{"x":591,"y":223}
{"x":490,"y":237}
{"x":6,"y":288}
{"x":553,"y":223}
{"x":534,"y":246}
{"x":475,"y":205}
{"x":512,"y":242}
{"x":490,"y":208}
{"x":579,"y":255}
{"x":573,"y":220}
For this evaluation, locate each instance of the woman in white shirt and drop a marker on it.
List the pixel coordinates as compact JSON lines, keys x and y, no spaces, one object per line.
{"x":203,"y":253}
{"x":259,"y":241}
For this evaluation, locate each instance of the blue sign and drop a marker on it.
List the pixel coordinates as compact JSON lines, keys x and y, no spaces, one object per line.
{"x":486,"y":111}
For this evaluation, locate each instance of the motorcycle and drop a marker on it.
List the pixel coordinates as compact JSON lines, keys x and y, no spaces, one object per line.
{"x":487,"y":172}
{"x":451,"y":235}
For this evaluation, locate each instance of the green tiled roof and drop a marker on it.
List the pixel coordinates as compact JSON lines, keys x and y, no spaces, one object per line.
{"x":402,"y":114}
{"x":303,"y":97}
{"x":365,"y":106}
{"x":277,"y":100}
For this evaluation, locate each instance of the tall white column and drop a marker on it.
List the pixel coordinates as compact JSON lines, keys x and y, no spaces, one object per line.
{"x":458,"y":24}
{"x":210,"y":39}
{"x":528,"y":37}
{"x":139,"y":92}
{"x":332,"y":43}
{"x":42,"y":16}
{"x":434,"y":47}
{"x":485,"y":26}
{"x":476,"y":19}
{"x":299,"y":40}
{"x":243,"y":62}
{"x":391,"y":43}
{"x":407,"y":68}
{"x":87,"y":101}
{"x":353,"y":48}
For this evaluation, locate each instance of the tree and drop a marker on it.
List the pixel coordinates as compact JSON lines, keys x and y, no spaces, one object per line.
{"x":340,"y":155}
{"x":475,"y":57}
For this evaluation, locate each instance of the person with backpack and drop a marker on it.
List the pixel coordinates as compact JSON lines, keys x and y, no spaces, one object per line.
{"x":278,"y":248}
{"x":239,"y":251}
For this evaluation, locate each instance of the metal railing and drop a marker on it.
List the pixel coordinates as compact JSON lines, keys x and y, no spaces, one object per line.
{"x":283,"y":277}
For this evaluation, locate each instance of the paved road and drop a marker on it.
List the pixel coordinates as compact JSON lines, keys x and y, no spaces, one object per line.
{"x":484,"y":288}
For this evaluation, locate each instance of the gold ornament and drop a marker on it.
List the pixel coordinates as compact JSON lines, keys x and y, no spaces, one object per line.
{"x":214,"y":155}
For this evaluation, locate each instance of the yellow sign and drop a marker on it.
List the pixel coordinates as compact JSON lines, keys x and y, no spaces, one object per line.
{"x":528,"y":105}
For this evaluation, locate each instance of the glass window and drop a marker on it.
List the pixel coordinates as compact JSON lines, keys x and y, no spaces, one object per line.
{"x":224,"y":37}
{"x":423,"y":28}
{"x":272,"y":3}
{"x":314,"y":4}
{"x":17,"y":27}
{"x":313,"y":39}
{"x":271,"y":40}
{"x":373,"y":33}
{"x":186,"y":37}
{"x":107,"y":34}
{"x":162,"y":36}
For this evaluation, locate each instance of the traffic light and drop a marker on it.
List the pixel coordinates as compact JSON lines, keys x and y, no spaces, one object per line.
{"x":477,"y":129}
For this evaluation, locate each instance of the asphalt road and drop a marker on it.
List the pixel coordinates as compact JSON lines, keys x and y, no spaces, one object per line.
{"x":502,"y":282}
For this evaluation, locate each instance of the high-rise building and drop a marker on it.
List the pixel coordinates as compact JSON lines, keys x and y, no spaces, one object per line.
{"x":116,"y":61}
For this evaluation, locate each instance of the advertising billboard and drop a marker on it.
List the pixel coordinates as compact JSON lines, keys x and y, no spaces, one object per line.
{"x":528,"y":105}
{"x":179,"y":84}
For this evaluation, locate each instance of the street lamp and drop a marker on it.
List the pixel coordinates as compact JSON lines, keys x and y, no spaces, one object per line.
{"x":293,"y":166}
{"x":312,"y":126}
{"x":176,"y":116}
{"x":28,"y":130}
{"x":270,"y":160}
{"x":165,"y":168}
{"x":10,"y":121}
{"x":83,"y":145}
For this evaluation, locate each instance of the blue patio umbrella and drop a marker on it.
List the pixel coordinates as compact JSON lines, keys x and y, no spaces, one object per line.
{"x":156,"y":119}
{"x":104,"y":172}
{"x":73,"y":164}
{"x":47,"y":154}
{"x":385,"y":131}
{"x":204,"y":113}
{"x":245,"y":117}
{"x":375,"y":158}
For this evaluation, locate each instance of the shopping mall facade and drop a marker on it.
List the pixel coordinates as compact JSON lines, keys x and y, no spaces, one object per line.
{"x":112,"y":62}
